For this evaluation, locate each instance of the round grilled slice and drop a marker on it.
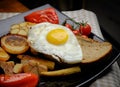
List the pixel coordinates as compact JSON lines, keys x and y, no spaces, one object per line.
{"x":14,"y":44}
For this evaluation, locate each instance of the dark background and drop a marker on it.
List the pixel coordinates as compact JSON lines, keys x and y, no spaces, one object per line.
{"x":107,"y":11}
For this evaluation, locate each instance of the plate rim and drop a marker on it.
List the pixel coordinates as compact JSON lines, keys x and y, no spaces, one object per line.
{"x":48,"y":5}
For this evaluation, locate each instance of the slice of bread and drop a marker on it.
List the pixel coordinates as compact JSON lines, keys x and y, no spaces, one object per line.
{"x":93,"y":50}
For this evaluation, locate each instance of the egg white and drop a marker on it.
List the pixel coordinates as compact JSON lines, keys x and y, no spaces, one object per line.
{"x":70,"y":52}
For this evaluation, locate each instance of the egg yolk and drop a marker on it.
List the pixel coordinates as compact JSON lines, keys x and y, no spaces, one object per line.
{"x":57,"y":36}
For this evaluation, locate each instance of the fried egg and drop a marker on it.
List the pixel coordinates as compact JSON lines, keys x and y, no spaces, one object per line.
{"x":55,"y":40}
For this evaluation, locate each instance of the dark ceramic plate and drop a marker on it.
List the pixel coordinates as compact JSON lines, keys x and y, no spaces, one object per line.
{"x":89,"y":72}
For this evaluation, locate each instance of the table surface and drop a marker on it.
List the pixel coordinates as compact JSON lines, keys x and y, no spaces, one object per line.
{"x":12,"y":6}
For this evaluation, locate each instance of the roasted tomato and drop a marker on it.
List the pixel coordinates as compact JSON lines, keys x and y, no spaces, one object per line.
{"x":85,"y":29}
{"x":76,"y":32}
{"x":45,"y":15}
{"x":69,"y":26}
{"x":82,"y":28}
{"x":19,"y":80}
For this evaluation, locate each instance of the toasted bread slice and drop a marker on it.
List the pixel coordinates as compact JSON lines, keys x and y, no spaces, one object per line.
{"x":93,"y":50}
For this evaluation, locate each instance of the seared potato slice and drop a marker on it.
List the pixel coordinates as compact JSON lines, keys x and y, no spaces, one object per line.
{"x":50,"y":64}
{"x":31,"y":66}
{"x":18,"y":68}
{"x":14,"y":44}
{"x":7,"y":66}
{"x":4,"y":56}
{"x":21,"y":28}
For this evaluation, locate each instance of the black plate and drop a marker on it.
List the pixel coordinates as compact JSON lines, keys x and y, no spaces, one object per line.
{"x":89,"y":72}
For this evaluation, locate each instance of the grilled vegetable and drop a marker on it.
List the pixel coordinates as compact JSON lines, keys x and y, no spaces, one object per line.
{"x":14,"y":44}
{"x":45,"y":15}
{"x":21,"y":28}
{"x":3,"y":55}
{"x":62,"y":72}
{"x":19,"y":80}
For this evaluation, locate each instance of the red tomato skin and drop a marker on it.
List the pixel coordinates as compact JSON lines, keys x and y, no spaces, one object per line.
{"x":76,"y":32}
{"x":45,"y":15}
{"x":68,"y":26}
{"x":19,"y":80}
{"x":85,"y":29}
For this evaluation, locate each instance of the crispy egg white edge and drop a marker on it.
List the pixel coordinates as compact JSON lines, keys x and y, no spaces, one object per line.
{"x":65,"y":53}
